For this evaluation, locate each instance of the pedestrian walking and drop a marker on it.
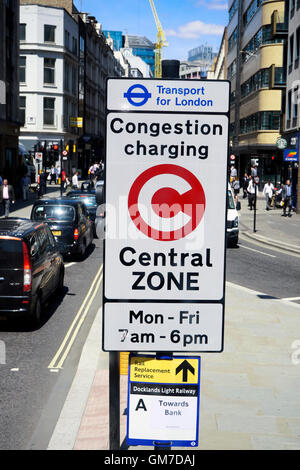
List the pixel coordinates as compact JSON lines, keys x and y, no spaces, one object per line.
{"x":268,"y":193}
{"x":53,"y":174}
{"x":42,"y":184}
{"x":245,"y":183}
{"x":236,"y":188}
{"x":7,"y":196}
{"x":75,"y":182}
{"x":25,"y":185}
{"x":251,"y":193}
{"x":287,"y":198}
{"x":233,"y":173}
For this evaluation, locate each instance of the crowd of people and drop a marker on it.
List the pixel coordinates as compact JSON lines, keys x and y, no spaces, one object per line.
{"x":280,"y":196}
{"x":54,"y":175}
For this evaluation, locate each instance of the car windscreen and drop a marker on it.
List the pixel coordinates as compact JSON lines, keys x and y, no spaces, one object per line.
{"x":11,"y":253}
{"x":54,"y":212}
{"x":230,"y":200}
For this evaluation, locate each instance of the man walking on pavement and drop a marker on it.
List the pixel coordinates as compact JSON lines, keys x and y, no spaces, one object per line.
{"x":287,"y":198}
{"x":268,"y":193}
{"x":7,"y":195}
{"x":251,"y":193}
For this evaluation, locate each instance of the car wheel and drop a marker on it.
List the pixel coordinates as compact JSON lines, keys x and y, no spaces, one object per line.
{"x":83,"y":250}
{"x":36,"y":314}
{"x":60,"y":284}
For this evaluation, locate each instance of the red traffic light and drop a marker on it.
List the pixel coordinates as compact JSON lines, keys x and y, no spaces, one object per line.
{"x":273,"y":158}
{"x":55,"y":147}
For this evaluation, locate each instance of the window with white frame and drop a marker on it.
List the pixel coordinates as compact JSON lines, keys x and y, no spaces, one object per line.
{"x":49,"y":110}
{"x":49,"y":71}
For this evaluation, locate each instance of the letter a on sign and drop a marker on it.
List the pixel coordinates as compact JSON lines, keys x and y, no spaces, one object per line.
{"x":141,"y":404}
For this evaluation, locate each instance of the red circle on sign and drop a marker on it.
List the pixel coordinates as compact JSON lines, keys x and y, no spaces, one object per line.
{"x":65,"y":152}
{"x":167,"y":202}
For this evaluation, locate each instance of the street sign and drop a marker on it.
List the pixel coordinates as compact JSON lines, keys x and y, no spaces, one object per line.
{"x":39,"y":156}
{"x":166,"y":215}
{"x":291,"y":155}
{"x":281,"y":143}
{"x":65,"y":153}
{"x":163,"y":401}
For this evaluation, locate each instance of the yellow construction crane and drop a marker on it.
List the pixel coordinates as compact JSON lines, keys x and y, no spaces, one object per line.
{"x":160,"y":42}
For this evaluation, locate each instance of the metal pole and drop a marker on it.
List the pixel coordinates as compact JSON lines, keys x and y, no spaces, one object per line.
{"x":157,"y":445}
{"x":255,"y":197}
{"x":114,"y":401}
{"x":60,"y":164}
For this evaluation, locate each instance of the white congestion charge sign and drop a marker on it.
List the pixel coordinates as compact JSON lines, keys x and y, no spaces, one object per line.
{"x":166,"y":165}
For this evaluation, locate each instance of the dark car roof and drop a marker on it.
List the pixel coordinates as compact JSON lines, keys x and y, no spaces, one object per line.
{"x":64,"y":200}
{"x":82,"y":192}
{"x":13,"y":226}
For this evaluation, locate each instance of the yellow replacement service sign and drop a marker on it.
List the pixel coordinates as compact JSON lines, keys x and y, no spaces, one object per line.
{"x":164,"y":371}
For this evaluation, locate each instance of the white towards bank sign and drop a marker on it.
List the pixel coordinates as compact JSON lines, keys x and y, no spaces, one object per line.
{"x":166,"y":186}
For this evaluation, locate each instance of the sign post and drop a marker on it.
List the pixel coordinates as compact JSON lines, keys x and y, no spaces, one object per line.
{"x":164,"y":249}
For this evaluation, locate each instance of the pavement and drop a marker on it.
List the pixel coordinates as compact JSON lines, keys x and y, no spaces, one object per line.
{"x":249,"y":397}
{"x":270,"y":228}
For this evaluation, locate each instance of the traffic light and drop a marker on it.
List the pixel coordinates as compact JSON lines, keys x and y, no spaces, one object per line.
{"x":55,"y":152}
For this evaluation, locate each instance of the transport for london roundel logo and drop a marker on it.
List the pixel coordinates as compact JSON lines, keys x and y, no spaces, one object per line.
{"x":166,"y":202}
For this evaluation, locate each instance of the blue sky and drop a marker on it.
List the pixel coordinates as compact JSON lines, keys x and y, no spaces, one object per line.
{"x":187,"y":23}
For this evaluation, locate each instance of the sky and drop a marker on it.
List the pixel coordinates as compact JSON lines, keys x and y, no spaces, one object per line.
{"x":186,"y":23}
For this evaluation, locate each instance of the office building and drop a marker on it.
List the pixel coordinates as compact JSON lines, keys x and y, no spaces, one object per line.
{"x":292,"y":108}
{"x":10,"y":162}
{"x":256,"y":68}
{"x":48,"y":78}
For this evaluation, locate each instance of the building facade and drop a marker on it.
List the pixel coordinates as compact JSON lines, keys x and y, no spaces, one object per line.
{"x":200,"y":60}
{"x":97,"y":62}
{"x":48,"y":80}
{"x":256,"y":68}
{"x":218,"y":70}
{"x":10,"y":162}
{"x":292,"y":97}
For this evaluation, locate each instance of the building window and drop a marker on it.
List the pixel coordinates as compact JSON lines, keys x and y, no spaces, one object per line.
{"x":232,"y":9}
{"x":295,"y":107}
{"x":22,"y":68}
{"x":49,"y":71}
{"x":251,"y":10}
{"x":22,"y":32}
{"x":74,"y":46}
{"x":67,"y":76}
{"x":265,"y":120}
{"x":22,"y":110}
{"x":289,"y":105}
{"x":67,"y":39}
{"x":49,"y":107}
{"x":263,"y":36}
{"x":232,"y":40}
{"x":291,"y":52}
{"x":297,"y":48}
{"x":49,"y":33}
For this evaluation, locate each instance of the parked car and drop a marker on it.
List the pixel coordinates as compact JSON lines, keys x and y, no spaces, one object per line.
{"x":31,"y":268}
{"x":88,"y":197}
{"x":69,"y":222}
{"x":232,"y":228}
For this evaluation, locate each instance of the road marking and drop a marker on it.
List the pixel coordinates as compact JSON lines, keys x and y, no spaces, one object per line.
{"x":290,"y":298}
{"x":261,"y":244}
{"x":15,"y":369}
{"x":81,"y":314}
{"x":262,"y":294}
{"x":257,"y":251}
{"x":69,"y":264}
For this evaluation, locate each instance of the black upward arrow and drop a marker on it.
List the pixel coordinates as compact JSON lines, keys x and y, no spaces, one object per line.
{"x":184,"y":367}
